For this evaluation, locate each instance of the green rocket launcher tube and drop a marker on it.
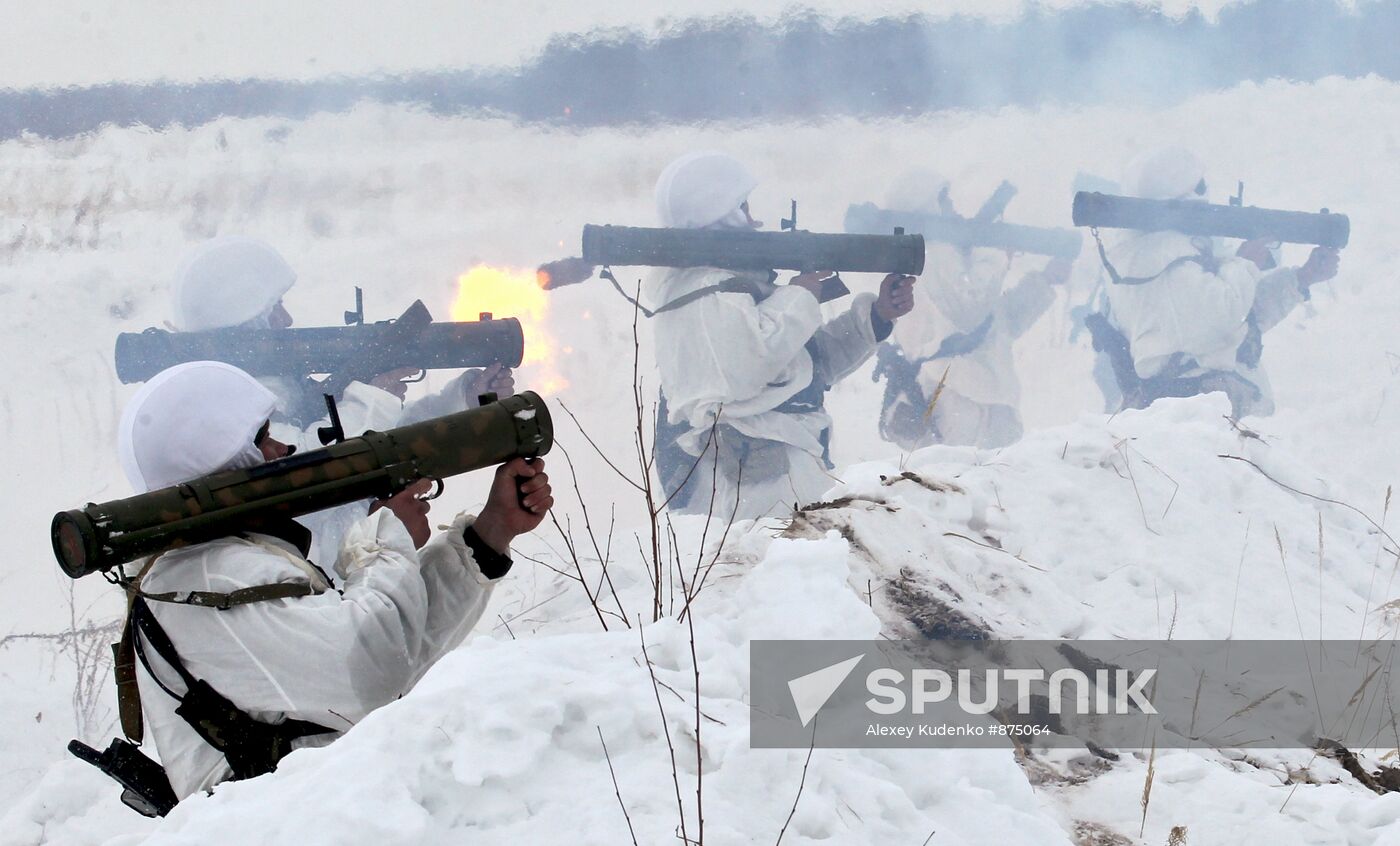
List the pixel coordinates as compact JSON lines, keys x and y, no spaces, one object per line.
{"x":374,"y":465}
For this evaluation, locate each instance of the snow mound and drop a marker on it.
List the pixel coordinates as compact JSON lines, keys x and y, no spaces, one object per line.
{"x":477,"y":754}
{"x":1152,"y":524}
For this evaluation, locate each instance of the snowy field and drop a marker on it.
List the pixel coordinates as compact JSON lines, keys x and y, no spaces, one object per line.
{"x":1128,"y":527}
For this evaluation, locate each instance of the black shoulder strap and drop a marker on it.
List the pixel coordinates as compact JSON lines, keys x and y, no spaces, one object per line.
{"x":145,"y":625}
{"x":733,"y":285}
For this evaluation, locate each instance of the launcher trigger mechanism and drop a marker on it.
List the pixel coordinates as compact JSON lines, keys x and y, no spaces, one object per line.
{"x":438,"y":488}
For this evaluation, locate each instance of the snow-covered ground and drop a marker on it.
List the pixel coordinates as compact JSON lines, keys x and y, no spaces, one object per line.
{"x":1091,"y":527}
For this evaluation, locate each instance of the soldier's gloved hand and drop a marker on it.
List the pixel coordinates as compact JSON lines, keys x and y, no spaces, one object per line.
{"x":412,"y":510}
{"x":392,"y":381}
{"x":896,"y":296}
{"x":1321,"y":265}
{"x":496,"y":379}
{"x":520,"y":497}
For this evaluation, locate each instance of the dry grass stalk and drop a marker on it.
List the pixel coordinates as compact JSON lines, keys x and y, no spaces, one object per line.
{"x":1147,"y":785}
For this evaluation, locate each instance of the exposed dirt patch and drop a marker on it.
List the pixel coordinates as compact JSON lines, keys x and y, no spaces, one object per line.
{"x":1383,"y":780}
{"x":930,"y":615}
{"x":1095,"y":834}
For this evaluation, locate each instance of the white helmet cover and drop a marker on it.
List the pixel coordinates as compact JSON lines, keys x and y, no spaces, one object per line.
{"x":229,"y":281}
{"x":702,"y":188}
{"x":191,"y":420}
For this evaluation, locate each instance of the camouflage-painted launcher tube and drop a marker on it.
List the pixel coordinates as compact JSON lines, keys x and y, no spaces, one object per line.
{"x":373,"y":465}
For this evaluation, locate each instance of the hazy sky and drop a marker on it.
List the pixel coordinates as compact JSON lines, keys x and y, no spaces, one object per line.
{"x":82,"y":42}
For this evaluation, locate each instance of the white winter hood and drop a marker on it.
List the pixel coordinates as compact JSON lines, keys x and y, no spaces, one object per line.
{"x":1169,"y":173}
{"x":700,"y":189}
{"x":190,"y":420}
{"x":229,"y":281}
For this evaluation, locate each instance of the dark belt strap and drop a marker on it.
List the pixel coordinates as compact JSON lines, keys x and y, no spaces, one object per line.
{"x":251,"y":746}
{"x":126,"y":651}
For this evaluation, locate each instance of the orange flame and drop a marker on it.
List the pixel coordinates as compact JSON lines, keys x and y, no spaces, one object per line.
{"x":514,"y":293}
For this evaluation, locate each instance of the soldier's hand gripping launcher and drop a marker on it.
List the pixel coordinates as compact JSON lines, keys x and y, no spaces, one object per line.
{"x":746,"y":249}
{"x":1194,"y":217}
{"x":375,"y":465}
{"x":359,"y":351}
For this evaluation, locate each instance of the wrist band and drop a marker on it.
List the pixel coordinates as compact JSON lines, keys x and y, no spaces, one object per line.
{"x":493,"y":565}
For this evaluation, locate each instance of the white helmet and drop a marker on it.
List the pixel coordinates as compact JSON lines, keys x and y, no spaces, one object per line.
{"x":704,"y":188}
{"x":190,"y":420}
{"x":1169,"y":173}
{"x":229,"y":281}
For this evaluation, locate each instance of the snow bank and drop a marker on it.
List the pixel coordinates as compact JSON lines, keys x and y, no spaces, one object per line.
{"x":1134,"y":527}
{"x":500,"y":743}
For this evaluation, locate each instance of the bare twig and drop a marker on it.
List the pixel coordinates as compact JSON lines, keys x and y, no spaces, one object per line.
{"x":1378,"y":527}
{"x":801,"y":784}
{"x":699,"y":756}
{"x":596,"y":449}
{"x":665,"y":728}
{"x":593,"y":539}
{"x":697,"y":584}
{"x":567,"y":535}
{"x":996,"y":548}
{"x":617,"y":789}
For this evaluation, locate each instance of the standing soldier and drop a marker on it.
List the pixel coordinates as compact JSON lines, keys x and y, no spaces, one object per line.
{"x":1186,"y":314}
{"x":951,"y":377}
{"x":745,"y":372}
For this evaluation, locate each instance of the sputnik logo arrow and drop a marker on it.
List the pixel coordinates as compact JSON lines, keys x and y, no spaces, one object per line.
{"x":811,"y":692}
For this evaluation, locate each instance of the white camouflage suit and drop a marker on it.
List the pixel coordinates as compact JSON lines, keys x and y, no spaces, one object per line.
{"x":329,"y":658}
{"x":959,"y":291}
{"x":736,"y":358}
{"x":1192,"y":310}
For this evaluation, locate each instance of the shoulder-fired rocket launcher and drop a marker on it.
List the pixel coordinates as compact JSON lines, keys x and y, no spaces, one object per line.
{"x":1194,"y":217}
{"x":746,"y":249}
{"x":358,"y":351}
{"x":983,"y":229}
{"x":375,"y":465}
